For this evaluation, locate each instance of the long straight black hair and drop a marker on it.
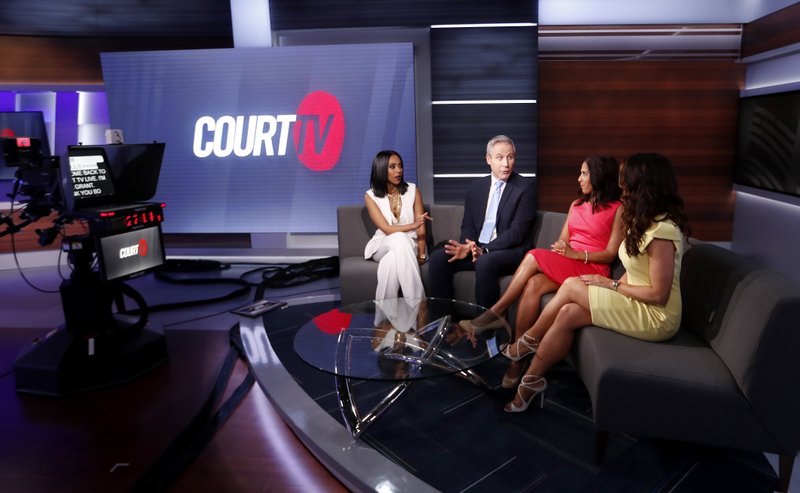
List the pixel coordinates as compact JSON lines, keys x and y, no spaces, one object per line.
{"x":380,"y":173}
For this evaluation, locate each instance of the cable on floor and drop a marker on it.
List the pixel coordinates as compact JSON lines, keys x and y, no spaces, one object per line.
{"x":191,"y":441}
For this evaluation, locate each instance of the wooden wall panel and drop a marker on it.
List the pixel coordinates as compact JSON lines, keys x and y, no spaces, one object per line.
{"x":684,"y":110}
{"x":64,"y":60}
{"x":776,"y":30}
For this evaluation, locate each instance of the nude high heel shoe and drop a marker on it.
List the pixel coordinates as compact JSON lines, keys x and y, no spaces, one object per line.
{"x":530,"y":342}
{"x":509,"y":382}
{"x":529,"y":382}
{"x":512,"y":382}
{"x":477,"y":326}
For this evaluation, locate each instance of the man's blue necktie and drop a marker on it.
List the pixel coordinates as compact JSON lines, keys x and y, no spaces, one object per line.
{"x":491,"y":214}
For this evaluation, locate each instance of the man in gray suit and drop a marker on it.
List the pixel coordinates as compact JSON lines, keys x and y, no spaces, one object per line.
{"x":496,"y":232}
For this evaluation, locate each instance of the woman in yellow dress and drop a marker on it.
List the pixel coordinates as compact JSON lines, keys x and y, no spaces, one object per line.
{"x":644,"y":303}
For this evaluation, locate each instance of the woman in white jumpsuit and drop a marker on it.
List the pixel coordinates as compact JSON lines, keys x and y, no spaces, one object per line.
{"x":398,"y":245}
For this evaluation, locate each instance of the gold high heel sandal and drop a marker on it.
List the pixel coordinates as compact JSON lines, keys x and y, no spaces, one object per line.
{"x":530,"y":382}
{"x":530,"y":342}
{"x":512,"y":382}
{"x":477,"y":328}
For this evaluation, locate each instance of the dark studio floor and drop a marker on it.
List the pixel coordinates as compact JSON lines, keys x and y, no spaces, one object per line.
{"x":104,"y":440}
{"x":107,"y":439}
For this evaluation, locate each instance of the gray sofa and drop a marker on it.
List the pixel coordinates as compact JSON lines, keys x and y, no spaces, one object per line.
{"x":730,"y":377}
{"x":358,"y":277}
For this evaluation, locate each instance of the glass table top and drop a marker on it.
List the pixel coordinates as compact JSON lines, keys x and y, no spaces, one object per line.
{"x":398,"y":339}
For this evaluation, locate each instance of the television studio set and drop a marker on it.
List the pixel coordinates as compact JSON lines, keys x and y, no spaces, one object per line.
{"x":414,"y":246}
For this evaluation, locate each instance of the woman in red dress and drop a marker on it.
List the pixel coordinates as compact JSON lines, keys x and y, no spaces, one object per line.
{"x":588,"y":244}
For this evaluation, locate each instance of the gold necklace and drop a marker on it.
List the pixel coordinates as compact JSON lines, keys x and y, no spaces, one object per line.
{"x":395,"y":204}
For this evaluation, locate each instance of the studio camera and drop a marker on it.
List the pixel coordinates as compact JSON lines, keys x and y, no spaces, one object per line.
{"x":35,"y":186}
{"x":104,"y":190}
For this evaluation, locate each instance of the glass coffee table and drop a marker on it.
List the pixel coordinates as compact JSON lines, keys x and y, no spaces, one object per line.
{"x":400,"y":340}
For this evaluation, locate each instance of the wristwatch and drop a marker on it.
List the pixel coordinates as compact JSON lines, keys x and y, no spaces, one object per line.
{"x":615,"y":284}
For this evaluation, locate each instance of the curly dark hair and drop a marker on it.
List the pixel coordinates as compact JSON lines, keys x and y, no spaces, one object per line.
{"x":380,"y":174}
{"x":649,"y":190}
{"x":604,"y":177}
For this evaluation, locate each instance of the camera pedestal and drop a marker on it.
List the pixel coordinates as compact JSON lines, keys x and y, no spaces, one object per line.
{"x":95,"y":347}
{"x":103,"y":186}
{"x":66,"y":362}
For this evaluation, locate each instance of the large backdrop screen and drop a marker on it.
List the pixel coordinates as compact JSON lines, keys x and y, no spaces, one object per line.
{"x":265,"y":139}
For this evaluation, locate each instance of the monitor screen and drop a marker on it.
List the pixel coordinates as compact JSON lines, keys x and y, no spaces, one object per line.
{"x":22,"y":151}
{"x":768,"y":143}
{"x":265,"y":140}
{"x":131,"y":253}
{"x":21,"y":124}
{"x":115,"y":173}
{"x":86,"y":179}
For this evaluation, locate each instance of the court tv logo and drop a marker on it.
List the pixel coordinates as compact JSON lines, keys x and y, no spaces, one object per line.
{"x":317,"y":132}
{"x":139,"y":249}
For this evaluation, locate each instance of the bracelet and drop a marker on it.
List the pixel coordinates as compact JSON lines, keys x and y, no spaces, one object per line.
{"x":615,"y":284}
{"x":585,"y":256}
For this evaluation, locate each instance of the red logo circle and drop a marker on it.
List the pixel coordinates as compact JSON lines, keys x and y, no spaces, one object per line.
{"x":318,"y":133}
{"x":142,"y":247}
{"x":7,"y":132}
